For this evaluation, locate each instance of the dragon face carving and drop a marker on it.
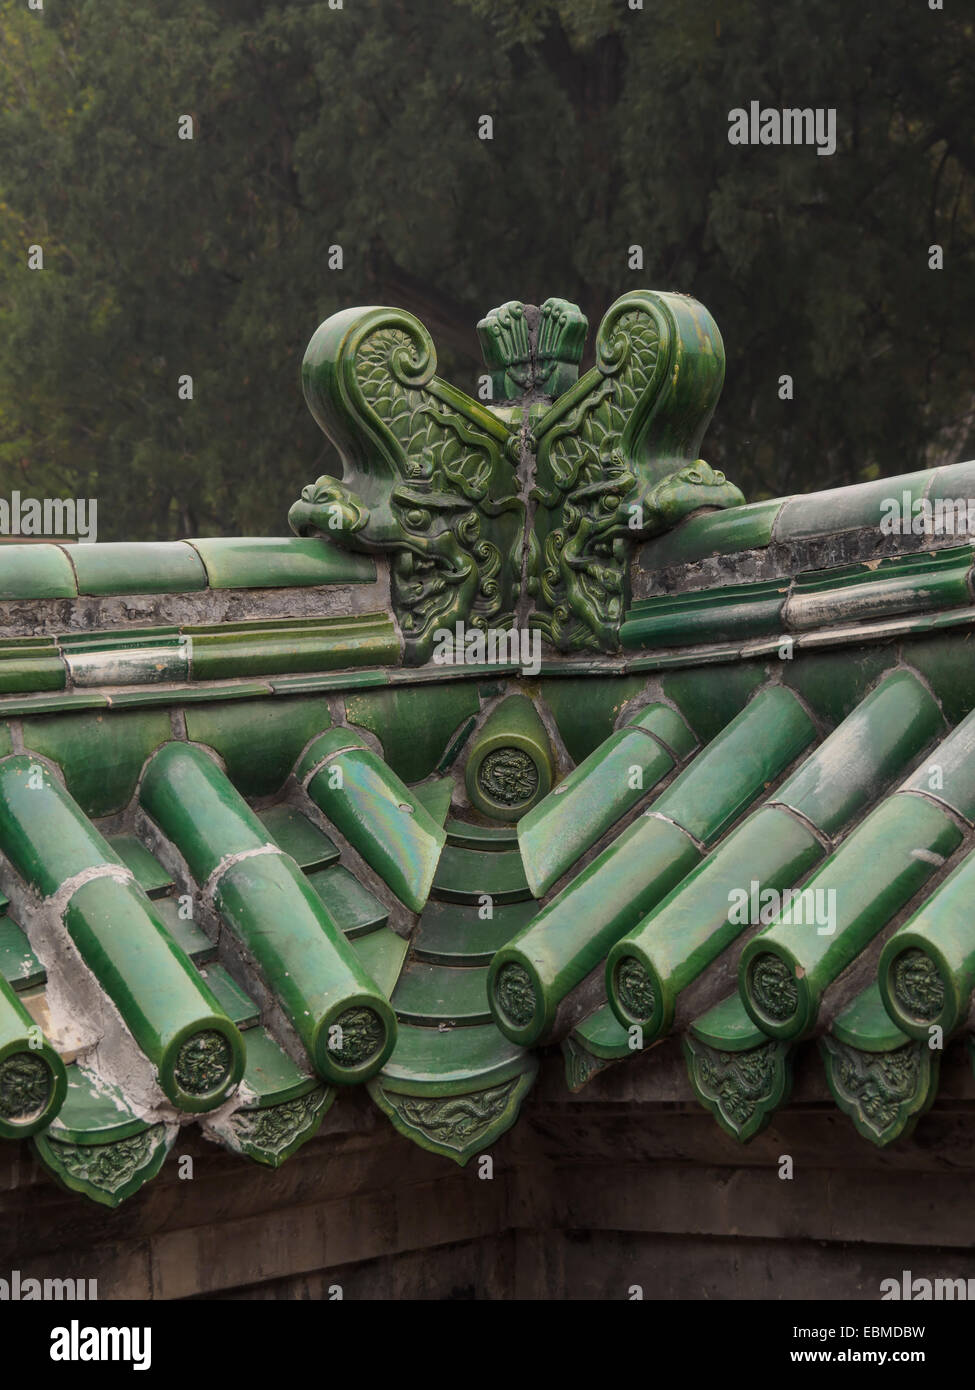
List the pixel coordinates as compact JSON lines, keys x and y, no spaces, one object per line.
{"x":551,"y":493}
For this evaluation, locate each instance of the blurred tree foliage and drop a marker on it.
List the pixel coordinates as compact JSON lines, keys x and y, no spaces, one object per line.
{"x":317,"y":126}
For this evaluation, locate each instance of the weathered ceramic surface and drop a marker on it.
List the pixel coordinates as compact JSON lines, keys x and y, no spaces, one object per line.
{"x":272,"y":839}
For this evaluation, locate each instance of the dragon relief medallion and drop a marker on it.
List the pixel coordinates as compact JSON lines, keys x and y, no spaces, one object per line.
{"x":543,"y":496}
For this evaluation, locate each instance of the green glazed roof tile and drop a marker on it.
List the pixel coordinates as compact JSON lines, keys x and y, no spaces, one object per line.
{"x":149,"y":873}
{"x":13,"y":708}
{"x":466,"y":835}
{"x":436,"y":797}
{"x":866,"y":1024}
{"x":236,"y":1004}
{"x":467,"y":875}
{"x":717,"y":533}
{"x":95,"y":1111}
{"x":843,"y":508}
{"x":382,"y":953}
{"x":603,"y":1035}
{"x":414,"y":725}
{"x":184,"y":931}
{"x":143,"y":567}
{"x":35,"y":572}
{"x":271,"y":1074}
{"x":434,"y":994}
{"x":268,"y":562}
{"x":336,"y":642}
{"x":18,"y":964}
{"x":293,"y":832}
{"x":451,"y":1061}
{"x":376,"y":812}
{"x":259,"y":740}
{"x":458,"y":933}
{"x":32,"y":673}
{"x":352,"y":907}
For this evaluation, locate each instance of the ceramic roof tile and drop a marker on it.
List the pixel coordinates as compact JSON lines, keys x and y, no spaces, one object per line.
{"x":732,"y":802}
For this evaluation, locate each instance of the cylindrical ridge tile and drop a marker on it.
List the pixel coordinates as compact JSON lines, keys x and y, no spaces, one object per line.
{"x":785,"y":969}
{"x":749,"y":753}
{"x":647,"y":969}
{"x":342,"y":1017}
{"x":864,"y":753}
{"x":926,"y":971}
{"x":376,"y":812}
{"x":510,"y":766}
{"x":533,"y":973}
{"x":197,"y":1052}
{"x":620,"y":772}
{"x":33,"y":1081}
{"x":344,"y":1020}
{"x":43,"y":831}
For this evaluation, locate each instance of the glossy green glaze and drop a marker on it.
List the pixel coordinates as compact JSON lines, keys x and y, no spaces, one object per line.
{"x":746,"y":527}
{"x":844,"y":508}
{"x":426,"y":475}
{"x":926,"y":972}
{"x":35,"y":571}
{"x":946,"y":664}
{"x":352,"y":908}
{"x":150,"y":875}
{"x":100,"y":753}
{"x":98,"y":1146}
{"x":871,"y":747}
{"x":137,"y":567}
{"x":467,"y":835}
{"x":414,"y":725}
{"x":197,"y":1051}
{"x":436,"y":796}
{"x":474,"y":876}
{"x":19,"y":966}
{"x":342,"y":1017}
{"x":196,"y":805}
{"x":948,"y":774}
{"x":451,"y":1061}
{"x":235,"y":1002}
{"x":736,"y":1072}
{"x":31,"y":673}
{"x":465,"y":934}
{"x":274,"y":562}
{"x":270,"y":905}
{"x":552,"y":955}
{"x":586,"y":709}
{"x":649,"y":967}
{"x":335,"y":644}
{"x":710,"y":615}
{"x":559,"y":829}
{"x":33,"y":1082}
{"x":294,"y":833}
{"x":377,"y":814}
{"x":258,"y":740}
{"x":43,"y":831}
{"x":738,"y":764}
{"x":834,"y":682}
{"x":510,"y":766}
{"x":381,"y":954}
{"x":174,"y":913}
{"x":711,"y":696}
{"x":786,"y":968}
{"x":878,"y":1075}
{"x":457,"y":1126}
{"x":442,"y":994}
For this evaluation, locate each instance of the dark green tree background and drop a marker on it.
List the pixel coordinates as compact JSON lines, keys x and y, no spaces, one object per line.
{"x":357,"y":127}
